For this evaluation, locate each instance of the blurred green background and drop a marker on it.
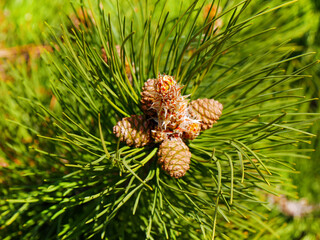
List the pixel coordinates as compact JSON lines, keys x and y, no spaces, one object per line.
{"x":23,"y":38}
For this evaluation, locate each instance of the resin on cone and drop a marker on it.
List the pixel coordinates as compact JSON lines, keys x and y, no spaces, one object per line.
{"x":174,"y":157}
{"x":190,"y":129}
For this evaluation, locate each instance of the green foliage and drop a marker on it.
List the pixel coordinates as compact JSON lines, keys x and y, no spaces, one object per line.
{"x":310,"y":185}
{"x":27,"y":18}
{"x":306,"y":227}
{"x":83,"y":183}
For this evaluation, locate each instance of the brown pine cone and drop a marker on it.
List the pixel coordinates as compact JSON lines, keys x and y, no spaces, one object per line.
{"x":207,"y":110}
{"x":148,"y":96}
{"x":134,"y":130}
{"x":174,"y":156}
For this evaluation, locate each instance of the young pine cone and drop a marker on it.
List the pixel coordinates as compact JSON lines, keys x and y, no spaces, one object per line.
{"x":207,"y":110}
{"x":191,"y":129}
{"x":134,"y":130}
{"x":148,"y":96}
{"x":174,"y":156}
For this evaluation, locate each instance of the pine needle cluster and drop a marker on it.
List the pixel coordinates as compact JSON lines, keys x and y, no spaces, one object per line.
{"x":83,"y":183}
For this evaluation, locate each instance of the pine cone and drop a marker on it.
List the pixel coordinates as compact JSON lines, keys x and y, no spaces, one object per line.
{"x":172,"y":113}
{"x":148,"y":96}
{"x":174,"y":156}
{"x":159,"y":135}
{"x":207,"y":110}
{"x":134,"y":130}
{"x":167,"y":87}
{"x":191,"y":129}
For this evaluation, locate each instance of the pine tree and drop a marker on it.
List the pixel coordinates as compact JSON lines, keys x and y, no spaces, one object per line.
{"x":87,"y":180}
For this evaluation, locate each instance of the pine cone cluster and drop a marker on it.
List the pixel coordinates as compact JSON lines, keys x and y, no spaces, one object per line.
{"x":168,"y":119}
